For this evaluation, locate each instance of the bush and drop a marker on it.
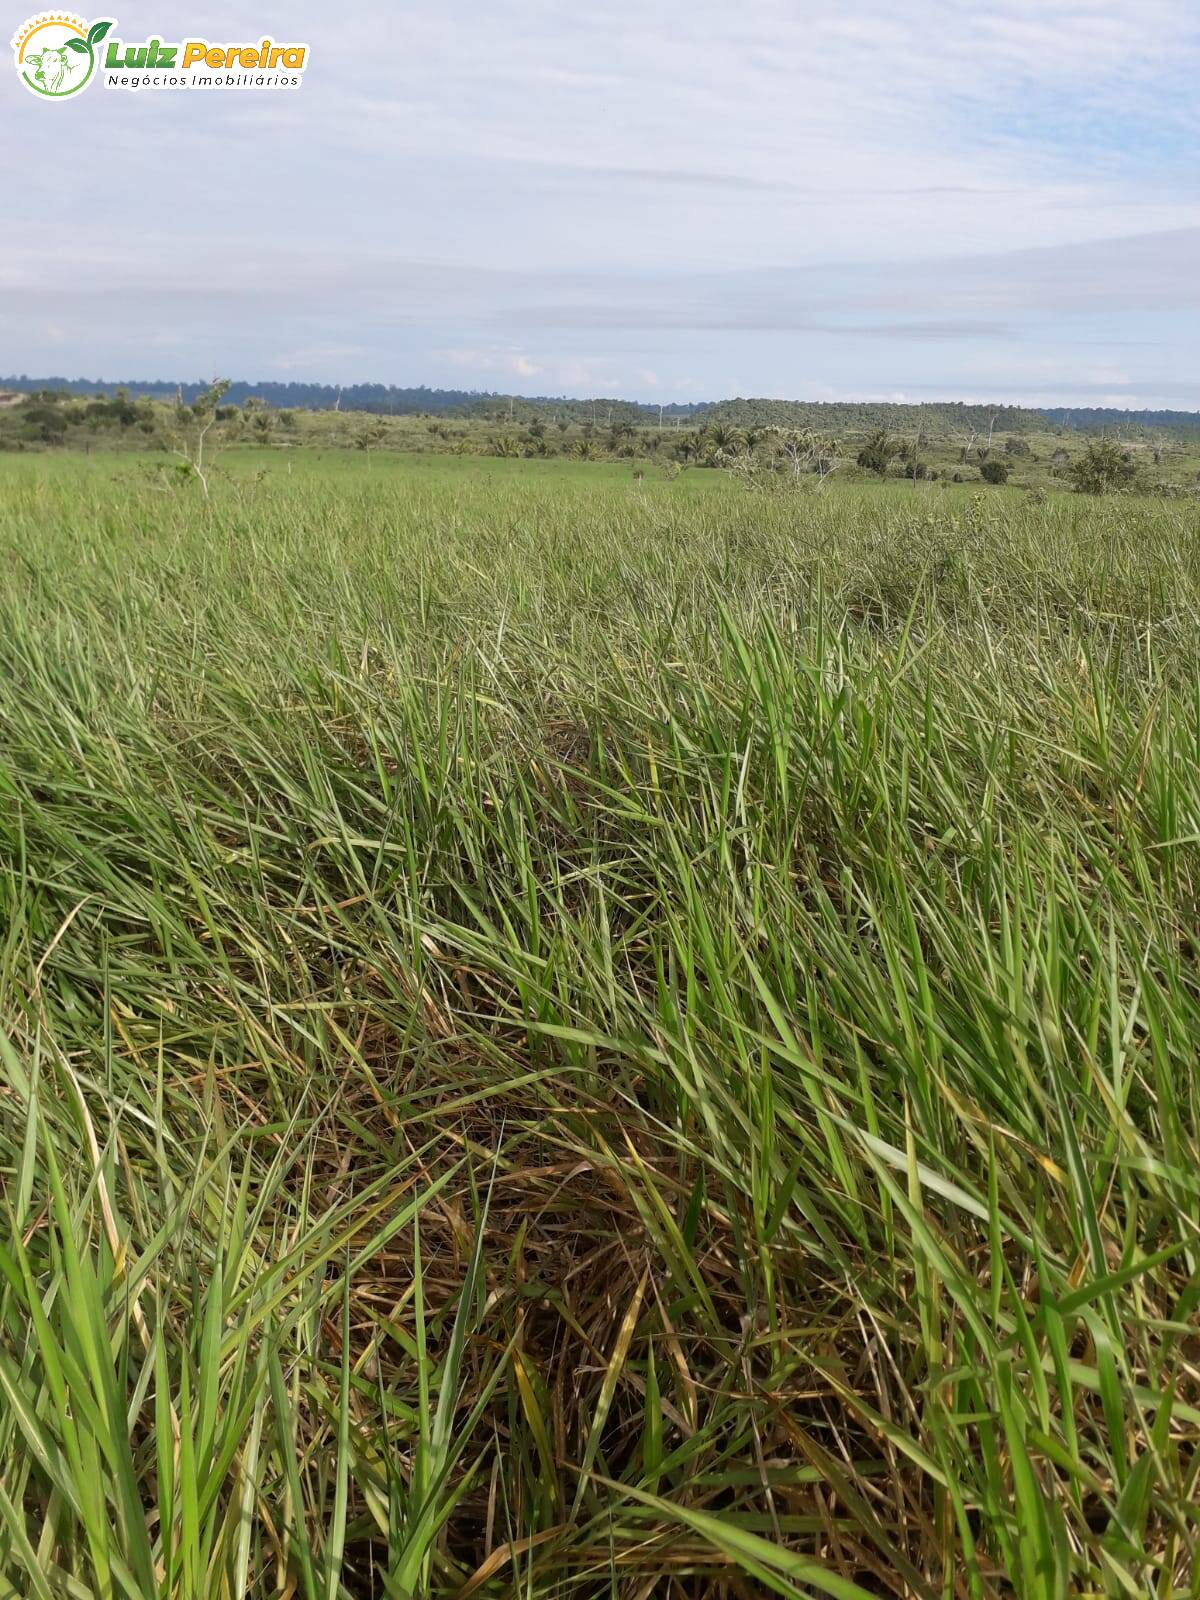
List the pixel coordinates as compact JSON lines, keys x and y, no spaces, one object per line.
{"x":44,"y":423}
{"x":1103,"y":468}
{"x":994,"y":471}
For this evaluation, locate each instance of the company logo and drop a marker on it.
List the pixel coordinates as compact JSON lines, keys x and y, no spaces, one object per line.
{"x":57,"y":55}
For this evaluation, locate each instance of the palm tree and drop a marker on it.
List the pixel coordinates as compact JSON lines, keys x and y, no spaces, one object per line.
{"x":878,"y":452}
{"x":725,"y":440}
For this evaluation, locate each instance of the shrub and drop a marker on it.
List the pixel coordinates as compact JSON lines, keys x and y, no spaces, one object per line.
{"x":44,"y":423}
{"x":994,"y":471}
{"x":1103,"y":468}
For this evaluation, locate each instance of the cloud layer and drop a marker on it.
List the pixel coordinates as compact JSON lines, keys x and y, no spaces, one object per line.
{"x":782,"y":199}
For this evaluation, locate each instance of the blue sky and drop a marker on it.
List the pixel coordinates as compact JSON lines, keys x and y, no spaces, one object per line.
{"x":788,"y":197}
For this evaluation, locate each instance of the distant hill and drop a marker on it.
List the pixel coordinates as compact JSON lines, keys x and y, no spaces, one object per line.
{"x":1090,"y":419}
{"x":940,"y":417}
{"x":838,"y":415}
{"x":310,"y":396}
{"x":381,"y":398}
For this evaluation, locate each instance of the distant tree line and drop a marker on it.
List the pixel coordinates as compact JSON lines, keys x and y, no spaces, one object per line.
{"x":935,"y":417}
{"x":382,"y":398}
{"x":1096,"y":419}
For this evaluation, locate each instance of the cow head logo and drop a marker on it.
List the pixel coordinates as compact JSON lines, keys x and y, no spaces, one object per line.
{"x":55,"y":53}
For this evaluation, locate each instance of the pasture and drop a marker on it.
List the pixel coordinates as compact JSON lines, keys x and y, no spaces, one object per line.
{"x":571,"y":1036}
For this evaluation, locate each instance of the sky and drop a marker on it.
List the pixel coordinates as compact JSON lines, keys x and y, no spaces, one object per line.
{"x":794,"y":198}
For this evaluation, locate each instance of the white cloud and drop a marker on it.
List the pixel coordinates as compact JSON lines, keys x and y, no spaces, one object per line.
{"x":791,"y":195}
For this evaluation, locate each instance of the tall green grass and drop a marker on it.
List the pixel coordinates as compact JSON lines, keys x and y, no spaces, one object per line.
{"x":566,"y":1041}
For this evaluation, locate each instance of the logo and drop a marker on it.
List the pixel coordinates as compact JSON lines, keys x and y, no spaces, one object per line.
{"x":56,"y":55}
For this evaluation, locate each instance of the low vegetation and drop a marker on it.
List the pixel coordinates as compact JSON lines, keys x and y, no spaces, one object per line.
{"x":763,"y":444}
{"x":571,"y":1037}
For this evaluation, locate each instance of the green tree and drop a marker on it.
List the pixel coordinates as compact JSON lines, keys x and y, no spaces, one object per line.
{"x":185,"y":430}
{"x":878,"y":452}
{"x":718,"y":443}
{"x":44,"y":423}
{"x":1103,"y":468}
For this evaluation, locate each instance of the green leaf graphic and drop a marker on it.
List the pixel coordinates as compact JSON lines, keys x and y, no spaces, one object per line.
{"x":77,"y":44}
{"x":97,"y":31}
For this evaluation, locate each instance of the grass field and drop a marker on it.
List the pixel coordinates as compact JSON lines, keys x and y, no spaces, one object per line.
{"x":572,"y":1037}
{"x":341,"y":466}
{"x":760,"y":444}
